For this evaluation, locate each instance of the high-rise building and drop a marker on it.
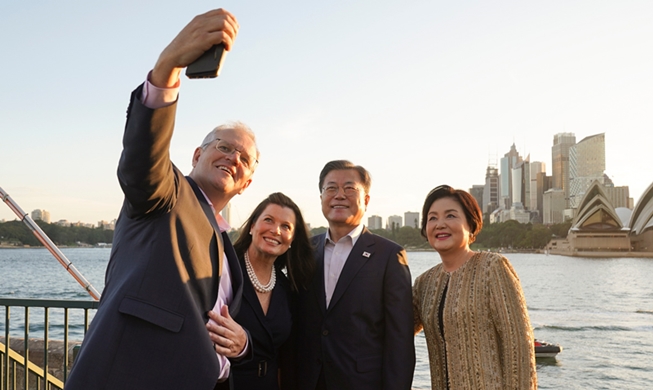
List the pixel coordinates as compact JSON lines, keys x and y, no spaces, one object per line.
{"x":526,"y":182}
{"x":562,"y":142}
{"x":411,"y":219}
{"x":521,"y":176}
{"x":508,"y":162}
{"x":490,"y":191}
{"x":535,"y":202}
{"x":518,"y":213}
{"x":375,"y":222}
{"x":586,"y":164}
{"x":477,"y":192}
{"x":394,"y":222}
{"x":554,"y":206}
{"x":41,"y":215}
{"x":619,"y":196}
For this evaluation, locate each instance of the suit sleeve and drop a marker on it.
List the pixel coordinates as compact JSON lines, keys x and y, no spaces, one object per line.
{"x":145,"y":172}
{"x":509,"y":312}
{"x":399,"y":345}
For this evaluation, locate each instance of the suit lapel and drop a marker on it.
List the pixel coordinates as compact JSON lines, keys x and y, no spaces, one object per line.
{"x":209,"y":215}
{"x":360,"y":254}
{"x":224,"y":247}
{"x":249,"y":295}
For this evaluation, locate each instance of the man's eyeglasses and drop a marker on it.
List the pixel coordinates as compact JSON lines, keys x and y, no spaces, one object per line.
{"x":348,"y":190}
{"x":228,"y":149}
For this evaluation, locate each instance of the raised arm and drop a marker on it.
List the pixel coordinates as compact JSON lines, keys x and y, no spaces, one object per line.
{"x":214,"y":27}
{"x":145,"y":171}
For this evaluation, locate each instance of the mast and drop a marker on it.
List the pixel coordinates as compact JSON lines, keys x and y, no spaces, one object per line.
{"x":45,"y":240}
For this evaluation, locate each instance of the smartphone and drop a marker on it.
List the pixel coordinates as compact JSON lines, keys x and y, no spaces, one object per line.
{"x":208,"y":65}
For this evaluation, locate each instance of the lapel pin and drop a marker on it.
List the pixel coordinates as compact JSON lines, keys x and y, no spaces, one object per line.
{"x":366,"y":254}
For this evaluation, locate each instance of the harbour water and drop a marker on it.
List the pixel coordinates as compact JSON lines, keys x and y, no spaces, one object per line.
{"x":599,"y":310}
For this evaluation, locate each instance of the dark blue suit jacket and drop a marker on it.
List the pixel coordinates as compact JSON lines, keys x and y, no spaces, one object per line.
{"x":269,"y":333}
{"x":365,"y":339}
{"x":163,"y":275}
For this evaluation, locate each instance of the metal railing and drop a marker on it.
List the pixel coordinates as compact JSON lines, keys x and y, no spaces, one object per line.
{"x":17,"y":370}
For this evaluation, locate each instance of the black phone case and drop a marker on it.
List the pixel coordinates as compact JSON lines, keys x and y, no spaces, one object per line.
{"x":208,"y":64}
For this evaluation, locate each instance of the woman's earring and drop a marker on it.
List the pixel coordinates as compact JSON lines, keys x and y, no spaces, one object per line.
{"x":250,"y":232}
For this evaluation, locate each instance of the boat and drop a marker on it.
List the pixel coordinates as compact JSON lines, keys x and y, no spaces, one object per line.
{"x":546,"y":350}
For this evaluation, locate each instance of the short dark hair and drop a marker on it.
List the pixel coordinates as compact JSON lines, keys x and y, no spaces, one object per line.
{"x":337,"y":165}
{"x":298,"y":259}
{"x":470,"y":207}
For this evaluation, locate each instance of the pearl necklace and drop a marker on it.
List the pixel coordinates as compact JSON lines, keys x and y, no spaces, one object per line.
{"x":263,"y":289}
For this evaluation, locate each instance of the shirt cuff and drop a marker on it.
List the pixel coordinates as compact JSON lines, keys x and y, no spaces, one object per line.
{"x":154,"y":97}
{"x":244,"y":351}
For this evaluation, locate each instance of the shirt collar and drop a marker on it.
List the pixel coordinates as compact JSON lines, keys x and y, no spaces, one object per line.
{"x":354,"y":234}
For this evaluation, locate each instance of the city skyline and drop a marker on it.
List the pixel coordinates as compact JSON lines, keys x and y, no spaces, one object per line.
{"x":385,"y":220}
{"x":448,"y":85}
{"x":589,"y":165}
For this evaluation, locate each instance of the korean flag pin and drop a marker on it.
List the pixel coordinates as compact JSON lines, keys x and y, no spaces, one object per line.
{"x":366,"y":254}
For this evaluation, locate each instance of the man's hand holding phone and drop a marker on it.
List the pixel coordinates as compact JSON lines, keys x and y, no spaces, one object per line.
{"x":214,"y":28}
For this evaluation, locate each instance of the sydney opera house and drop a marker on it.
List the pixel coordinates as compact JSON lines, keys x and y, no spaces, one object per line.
{"x":601,"y":230}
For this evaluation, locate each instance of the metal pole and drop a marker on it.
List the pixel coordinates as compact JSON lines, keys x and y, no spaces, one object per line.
{"x":45,"y":240}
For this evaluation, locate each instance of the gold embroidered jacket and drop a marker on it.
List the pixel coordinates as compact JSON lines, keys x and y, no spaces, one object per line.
{"x":488,"y":339}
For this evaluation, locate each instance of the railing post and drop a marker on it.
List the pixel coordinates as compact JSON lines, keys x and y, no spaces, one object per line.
{"x":26,"y":342}
{"x":6,"y":357}
{"x":65,"y":345}
{"x":85,"y":321}
{"x":46,"y":325}
{"x":10,"y":363}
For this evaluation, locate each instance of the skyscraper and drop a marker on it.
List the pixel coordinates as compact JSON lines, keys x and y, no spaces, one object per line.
{"x":411,"y":219}
{"x":491,"y":190}
{"x":562,"y":142}
{"x":538,"y":172}
{"x":553,"y":206}
{"x":375,"y":222}
{"x":477,"y":192}
{"x":586,"y":164}
{"x":394,"y":222}
{"x":508,"y":162}
{"x":520,"y":177}
{"x":41,"y":215}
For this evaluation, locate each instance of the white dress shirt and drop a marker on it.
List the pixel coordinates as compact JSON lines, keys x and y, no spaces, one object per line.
{"x":335,"y":256}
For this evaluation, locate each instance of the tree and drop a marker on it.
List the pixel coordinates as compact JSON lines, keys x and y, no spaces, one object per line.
{"x":17,"y":233}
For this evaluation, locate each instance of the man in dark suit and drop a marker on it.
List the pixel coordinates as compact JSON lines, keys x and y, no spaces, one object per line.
{"x":355,"y":324}
{"x":171,"y":259}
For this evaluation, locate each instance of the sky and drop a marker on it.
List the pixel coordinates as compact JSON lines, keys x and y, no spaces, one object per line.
{"x":421,"y":93}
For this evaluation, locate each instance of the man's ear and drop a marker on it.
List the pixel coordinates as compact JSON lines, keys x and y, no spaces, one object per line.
{"x":367,"y":201}
{"x":196,"y":155}
{"x":247,"y":183}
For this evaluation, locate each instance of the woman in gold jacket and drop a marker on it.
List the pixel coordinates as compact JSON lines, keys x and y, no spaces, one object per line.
{"x":471,"y":306}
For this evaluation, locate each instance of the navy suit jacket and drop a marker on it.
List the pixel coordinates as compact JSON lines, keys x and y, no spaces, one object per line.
{"x":270,"y":333}
{"x":163,"y":274}
{"x":364,"y":339}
